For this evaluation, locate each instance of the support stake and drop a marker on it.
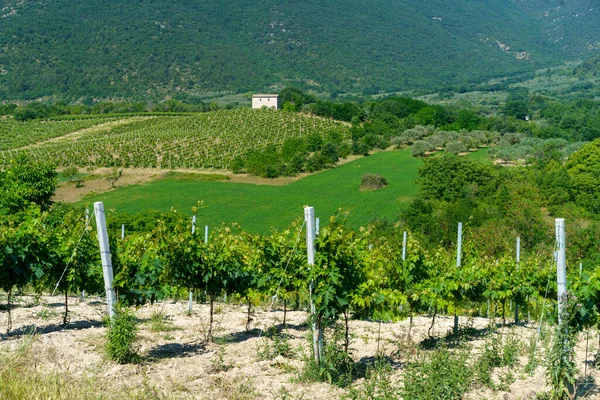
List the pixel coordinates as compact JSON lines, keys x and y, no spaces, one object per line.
{"x":107,"y":269}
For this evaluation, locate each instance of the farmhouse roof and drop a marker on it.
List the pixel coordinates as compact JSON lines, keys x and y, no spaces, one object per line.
{"x":265,"y":95}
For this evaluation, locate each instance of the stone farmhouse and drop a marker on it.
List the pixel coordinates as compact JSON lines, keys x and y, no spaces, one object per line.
{"x":265,"y":100}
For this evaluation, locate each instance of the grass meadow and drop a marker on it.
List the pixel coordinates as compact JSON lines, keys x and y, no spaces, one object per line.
{"x":257,"y":208}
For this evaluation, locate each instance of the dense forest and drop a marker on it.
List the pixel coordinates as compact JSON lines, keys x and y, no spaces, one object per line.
{"x":153,"y":49}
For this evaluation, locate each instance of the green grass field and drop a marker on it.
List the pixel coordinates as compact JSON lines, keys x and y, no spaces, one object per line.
{"x":482,"y":155}
{"x":257,"y":208}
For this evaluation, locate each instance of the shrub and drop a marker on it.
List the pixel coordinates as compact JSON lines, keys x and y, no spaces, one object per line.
{"x":438,"y":375}
{"x":336,"y":365}
{"x":372,"y":182}
{"x":122,"y":334}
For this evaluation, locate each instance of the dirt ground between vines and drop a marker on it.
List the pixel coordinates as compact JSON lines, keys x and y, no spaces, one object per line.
{"x":180,"y":364}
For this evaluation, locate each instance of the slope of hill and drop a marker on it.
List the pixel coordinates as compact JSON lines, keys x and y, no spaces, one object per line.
{"x":205,"y":140}
{"x":155,"y":48}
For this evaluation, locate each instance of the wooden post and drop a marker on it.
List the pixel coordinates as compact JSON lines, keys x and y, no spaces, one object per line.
{"x":107,"y":270}
{"x":309,"y":218}
{"x":561,"y":266}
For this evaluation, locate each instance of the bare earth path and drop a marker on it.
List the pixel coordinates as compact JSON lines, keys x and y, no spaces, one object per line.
{"x":178,"y":363}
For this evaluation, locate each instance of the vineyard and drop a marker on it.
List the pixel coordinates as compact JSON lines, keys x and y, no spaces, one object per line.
{"x":16,"y":134}
{"x":504,"y":309}
{"x":207,"y":140}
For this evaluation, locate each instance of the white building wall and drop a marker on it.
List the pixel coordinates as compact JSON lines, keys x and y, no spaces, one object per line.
{"x":262,"y":101}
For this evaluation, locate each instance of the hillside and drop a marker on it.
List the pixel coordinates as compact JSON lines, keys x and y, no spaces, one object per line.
{"x":205,"y":140}
{"x":154,"y":49}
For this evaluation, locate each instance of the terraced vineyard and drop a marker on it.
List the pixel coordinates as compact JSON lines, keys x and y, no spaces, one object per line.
{"x":208,"y":140}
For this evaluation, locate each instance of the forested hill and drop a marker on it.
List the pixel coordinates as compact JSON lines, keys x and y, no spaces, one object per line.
{"x":154,"y":48}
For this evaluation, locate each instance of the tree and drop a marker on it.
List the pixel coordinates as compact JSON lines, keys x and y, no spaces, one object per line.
{"x":114,"y":175}
{"x":584,"y":169}
{"x":450,"y":177}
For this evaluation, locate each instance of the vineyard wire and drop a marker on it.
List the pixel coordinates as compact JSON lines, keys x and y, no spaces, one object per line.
{"x":537,"y":335}
{"x":85,"y":228}
{"x":286,"y":265}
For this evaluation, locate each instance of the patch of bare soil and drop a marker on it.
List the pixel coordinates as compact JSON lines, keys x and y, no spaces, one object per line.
{"x":180,"y":364}
{"x":97,"y":182}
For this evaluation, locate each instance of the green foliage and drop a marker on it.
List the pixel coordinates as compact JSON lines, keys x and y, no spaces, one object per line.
{"x":26,"y":181}
{"x":274,"y":344}
{"x":305,"y":46}
{"x":584,"y":170}
{"x":561,"y":369}
{"x":441,"y":374}
{"x":449,"y":178}
{"x":379,"y":384}
{"x":121,"y":336}
{"x":335,"y":366}
{"x":498,"y":351}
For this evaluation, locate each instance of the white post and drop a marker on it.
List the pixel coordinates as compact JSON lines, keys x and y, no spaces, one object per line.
{"x":87,"y":226}
{"x":122,"y":231}
{"x":458,"y":256}
{"x":317,"y":226}
{"x":459,"y":246}
{"x":561,"y":265}
{"x":518,"y":262}
{"x":404,"y":247}
{"x":309,"y":218}
{"x":580,"y":268}
{"x":191,"y":295}
{"x":107,"y":270}
{"x":206,"y":234}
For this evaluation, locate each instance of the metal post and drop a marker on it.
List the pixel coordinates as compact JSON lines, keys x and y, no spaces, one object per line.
{"x":107,"y":270}
{"x":206,"y":234}
{"x":518,"y":262}
{"x":459,"y":246}
{"x":122,"y":231}
{"x":458,"y":258}
{"x":404,"y":247}
{"x":309,"y":218}
{"x":191,"y":294}
{"x":317,"y":226}
{"x":561,"y":266}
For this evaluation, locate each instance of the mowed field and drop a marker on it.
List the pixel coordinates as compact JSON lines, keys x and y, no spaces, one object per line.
{"x":257,"y":208}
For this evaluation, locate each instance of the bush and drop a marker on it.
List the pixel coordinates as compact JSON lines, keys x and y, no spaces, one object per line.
{"x":336,"y":365}
{"x":122,"y":334}
{"x":438,"y":375}
{"x":372,"y":182}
